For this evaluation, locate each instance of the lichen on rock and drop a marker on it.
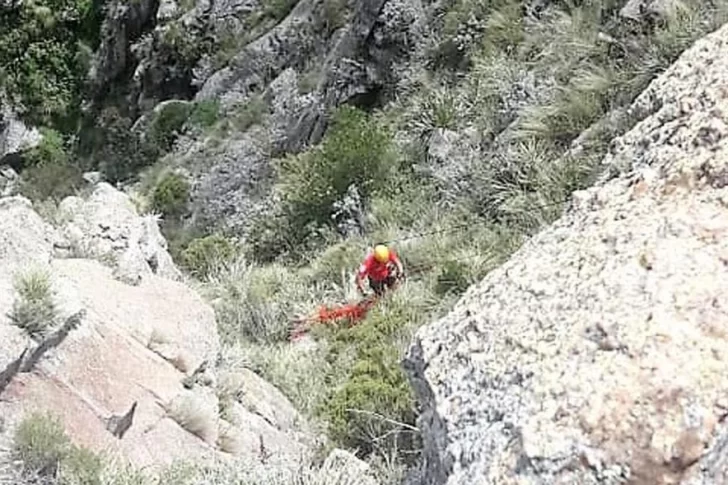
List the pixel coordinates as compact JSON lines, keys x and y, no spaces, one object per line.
{"x":596,"y":353}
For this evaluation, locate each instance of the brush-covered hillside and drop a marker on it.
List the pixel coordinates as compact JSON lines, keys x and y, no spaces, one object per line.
{"x":248,"y":153}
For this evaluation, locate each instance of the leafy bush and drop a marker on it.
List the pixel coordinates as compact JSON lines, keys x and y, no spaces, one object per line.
{"x":44,"y":48}
{"x":50,"y":150}
{"x":167,"y":123}
{"x":257,"y":303}
{"x":81,"y":467}
{"x":171,"y":194}
{"x":50,"y":181}
{"x":278,"y":9}
{"x":48,"y":171}
{"x":40,"y":442}
{"x":356,"y":151}
{"x":205,"y":113}
{"x":244,"y":115}
{"x":334,"y":14}
{"x":34,"y":309}
{"x":453,"y":278}
{"x":373,"y":410}
{"x":43,"y":447}
{"x":119,"y":151}
{"x":204,"y":255}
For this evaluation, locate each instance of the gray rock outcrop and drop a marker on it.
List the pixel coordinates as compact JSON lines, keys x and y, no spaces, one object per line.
{"x":15,"y":136}
{"x":596,"y":354}
{"x":116,"y":359}
{"x":302,"y":63}
{"x":107,"y":227}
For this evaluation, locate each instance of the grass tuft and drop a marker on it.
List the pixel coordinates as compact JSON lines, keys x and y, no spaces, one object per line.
{"x":34,"y":309}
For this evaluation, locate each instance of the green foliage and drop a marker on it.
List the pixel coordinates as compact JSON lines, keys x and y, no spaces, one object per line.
{"x":334,"y":14}
{"x":204,"y":255}
{"x":44,"y":49}
{"x":50,"y":150}
{"x":244,"y":115}
{"x":278,"y":9}
{"x":50,"y":181}
{"x":356,"y":151}
{"x":49,"y":172}
{"x":81,"y":467}
{"x":42,"y":445}
{"x":205,"y":113}
{"x":257,"y":303}
{"x":40,"y":442}
{"x":119,"y":151}
{"x":453,"y":278}
{"x":373,"y":409}
{"x":167,"y":123}
{"x":336,"y":262}
{"x":171,"y":194}
{"x":308,"y":80}
{"x":34,"y":309}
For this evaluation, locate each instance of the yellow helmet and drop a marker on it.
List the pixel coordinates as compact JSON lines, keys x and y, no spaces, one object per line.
{"x":381,"y":253}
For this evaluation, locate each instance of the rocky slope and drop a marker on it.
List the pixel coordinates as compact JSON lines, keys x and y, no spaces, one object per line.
{"x":128,"y":356}
{"x":596,"y":354}
{"x":286,"y":64}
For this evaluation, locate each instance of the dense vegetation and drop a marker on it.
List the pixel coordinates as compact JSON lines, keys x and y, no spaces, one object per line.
{"x":521,"y":92}
{"x":532,"y":100}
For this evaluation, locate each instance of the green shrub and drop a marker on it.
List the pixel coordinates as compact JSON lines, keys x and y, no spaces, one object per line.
{"x":204,"y":255}
{"x":119,"y":151}
{"x":43,"y":57}
{"x":170,"y":196}
{"x":244,"y":115}
{"x":81,"y":467}
{"x":356,"y":151}
{"x":40,"y":443}
{"x":256,"y":303}
{"x":48,"y":171}
{"x":373,"y":410}
{"x":278,"y":9}
{"x":51,"y":150}
{"x":334,"y":14}
{"x":338,"y":261}
{"x":49,"y":181}
{"x":205,"y":113}
{"x":167,"y":123}
{"x":34,"y":309}
{"x":453,"y":278}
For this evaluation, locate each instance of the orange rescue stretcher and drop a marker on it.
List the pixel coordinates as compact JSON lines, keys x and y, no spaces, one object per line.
{"x":352,"y":313}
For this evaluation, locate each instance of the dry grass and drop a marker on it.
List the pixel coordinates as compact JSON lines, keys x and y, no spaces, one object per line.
{"x":229,"y":438}
{"x":35,"y":309}
{"x":196,"y":415}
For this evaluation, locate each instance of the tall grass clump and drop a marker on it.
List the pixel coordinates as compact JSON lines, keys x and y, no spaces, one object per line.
{"x":258,"y":303}
{"x":34,"y":309}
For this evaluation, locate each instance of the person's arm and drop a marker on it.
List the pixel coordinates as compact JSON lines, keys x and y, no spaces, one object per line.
{"x":398,"y":263}
{"x":360,"y":277}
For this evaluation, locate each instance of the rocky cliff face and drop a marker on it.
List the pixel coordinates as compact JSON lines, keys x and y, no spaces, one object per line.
{"x":124,"y":353}
{"x":597,"y":353}
{"x":293,"y":65}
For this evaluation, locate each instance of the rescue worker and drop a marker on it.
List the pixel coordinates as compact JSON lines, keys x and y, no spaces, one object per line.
{"x":383,"y":268}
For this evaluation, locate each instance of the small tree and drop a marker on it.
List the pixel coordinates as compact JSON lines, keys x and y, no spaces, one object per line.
{"x":170,"y":195}
{"x":356,"y":152}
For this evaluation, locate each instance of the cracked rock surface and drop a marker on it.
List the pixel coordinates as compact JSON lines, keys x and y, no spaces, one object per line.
{"x":598,"y":352}
{"x":118,"y":376}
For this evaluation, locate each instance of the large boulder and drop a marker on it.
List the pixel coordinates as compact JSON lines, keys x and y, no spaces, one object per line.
{"x":15,"y":136}
{"x":597,"y":353}
{"x":129,"y":368}
{"x":106,"y":226}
